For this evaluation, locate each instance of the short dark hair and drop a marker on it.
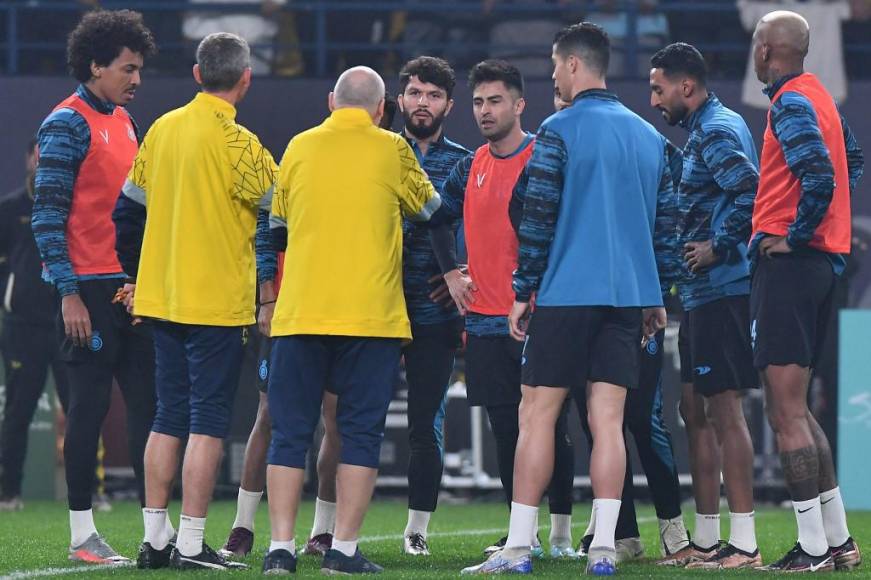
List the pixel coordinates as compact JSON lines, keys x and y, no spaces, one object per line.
{"x":681,"y":59}
{"x":100,"y":37}
{"x":587,"y":41}
{"x":389,"y":111}
{"x":496,"y":70}
{"x":429,"y":69}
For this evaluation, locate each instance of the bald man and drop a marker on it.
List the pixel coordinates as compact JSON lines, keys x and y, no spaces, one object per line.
{"x":342,"y":190}
{"x":801,"y":230}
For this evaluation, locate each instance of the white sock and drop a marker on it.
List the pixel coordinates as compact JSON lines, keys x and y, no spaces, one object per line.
{"x":156,"y":532}
{"x":325,"y":518}
{"x":522,"y":525}
{"x":834,"y":517}
{"x":607,"y":511}
{"x":246,"y":508}
{"x":742,"y":531}
{"x":170,"y":531}
{"x":348,"y":548}
{"x":418,"y":522}
{"x":190,"y":535}
{"x":811,"y":532}
{"x":561,"y":530}
{"x":289,"y":546}
{"x":81,"y":526}
{"x":707,"y":532}
{"x":591,"y":526}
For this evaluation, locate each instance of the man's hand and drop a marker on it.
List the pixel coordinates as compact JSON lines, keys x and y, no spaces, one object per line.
{"x":129,"y":290}
{"x":77,"y":320}
{"x":699,"y":255}
{"x":462,"y":289}
{"x":441,"y":294}
{"x":774,"y":245}
{"x":654,"y":320}
{"x":518,"y":320}
{"x":264,"y":318}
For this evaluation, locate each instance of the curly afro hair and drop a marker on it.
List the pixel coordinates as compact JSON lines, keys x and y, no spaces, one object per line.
{"x":101,"y":36}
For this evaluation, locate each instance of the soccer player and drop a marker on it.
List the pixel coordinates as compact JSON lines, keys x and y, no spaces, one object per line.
{"x":29,"y":342}
{"x":643,"y":418}
{"x":585,"y":332}
{"x":426,"y":86}
{"x":241,"y":538}
{"x":341,"y":314}
{"x":86,"y":147}
{"x":478,"y":190}
{"x":801,"y":229}
{"x":715,"y":202}
{"x":197,"y":184}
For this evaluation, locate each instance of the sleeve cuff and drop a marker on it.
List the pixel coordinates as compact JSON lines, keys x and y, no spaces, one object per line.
{"x":67,"y":286}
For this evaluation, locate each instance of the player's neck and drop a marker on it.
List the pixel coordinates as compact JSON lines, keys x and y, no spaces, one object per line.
{"x":231,"y":96}
{"x":780,"y":70}
{"x":508,"y":144}
{"x":697,"y":101}
{"x":423,"y":144}
{"x":587,"y":83}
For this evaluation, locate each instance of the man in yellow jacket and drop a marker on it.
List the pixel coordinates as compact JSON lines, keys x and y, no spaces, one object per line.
{"x":342,"y":190}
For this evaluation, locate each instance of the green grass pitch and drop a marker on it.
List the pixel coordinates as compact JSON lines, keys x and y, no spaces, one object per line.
{"x":33,"y":543}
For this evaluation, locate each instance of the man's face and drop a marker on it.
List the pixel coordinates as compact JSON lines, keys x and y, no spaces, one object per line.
{"x":496,"y":108}
{"x":562,"y":75}
{"x":666,"y":96}
{"x":424,"y":107}
{"x":117,"y":82}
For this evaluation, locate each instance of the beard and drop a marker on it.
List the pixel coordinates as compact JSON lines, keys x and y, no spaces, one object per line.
{"x":420,"y":130}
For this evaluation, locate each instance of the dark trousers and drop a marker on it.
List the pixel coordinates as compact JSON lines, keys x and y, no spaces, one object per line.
{"x":429,"y":362}
{"x":643,"y":419}
{"x":505,"y":427}
{"x":29,"y":350}
{"x":119,"y":351}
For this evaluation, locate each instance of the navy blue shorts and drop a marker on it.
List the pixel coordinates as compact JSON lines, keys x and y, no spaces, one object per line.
{"x":361,"y":371}
{"x":197,"y":375}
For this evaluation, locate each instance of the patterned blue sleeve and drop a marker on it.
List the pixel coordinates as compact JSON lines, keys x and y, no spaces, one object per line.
{"x":64,"y":139}
{"x":738,"y":177}
{"x":855,"y":156}
{"x":794,"y":123}
{"x":546,"y":171}
{"x":666,"y":246}
{"x":264,"y":251}
{"x":453,"y":192}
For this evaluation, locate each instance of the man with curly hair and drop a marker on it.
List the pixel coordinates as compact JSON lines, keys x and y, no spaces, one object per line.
{"x":86,"y":146}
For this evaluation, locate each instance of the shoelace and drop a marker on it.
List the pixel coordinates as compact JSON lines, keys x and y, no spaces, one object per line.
{"x":417,"y":541}
{"x":789,"y":556}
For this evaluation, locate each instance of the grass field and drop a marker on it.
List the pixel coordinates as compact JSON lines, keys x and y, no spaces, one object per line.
{"x":33,"y":543}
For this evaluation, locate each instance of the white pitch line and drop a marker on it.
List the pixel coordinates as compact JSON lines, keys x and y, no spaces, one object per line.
{"x":45,"y":572}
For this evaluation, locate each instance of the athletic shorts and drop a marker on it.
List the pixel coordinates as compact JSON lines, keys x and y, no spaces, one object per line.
{"x":362,"y":372}
{"x":492,"y":370}
{"x":263,"y":355}
{"x":791,"y":300}
{"x":683,"y":349}
{"x":111,"y":327}
{"x":567,"y":346}
{"x":197,"y":375}
{"x":717,"y":336}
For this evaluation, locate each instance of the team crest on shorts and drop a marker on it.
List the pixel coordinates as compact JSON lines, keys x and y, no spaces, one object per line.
{"x":263,"y":372}
{"x":652,"y":347}
{"x":96,"y":342}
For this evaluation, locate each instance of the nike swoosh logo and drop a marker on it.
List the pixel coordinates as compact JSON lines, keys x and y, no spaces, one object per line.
{"x":801,"y":511}
{"x":827,"y":501}
{"x":822,"y":564}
